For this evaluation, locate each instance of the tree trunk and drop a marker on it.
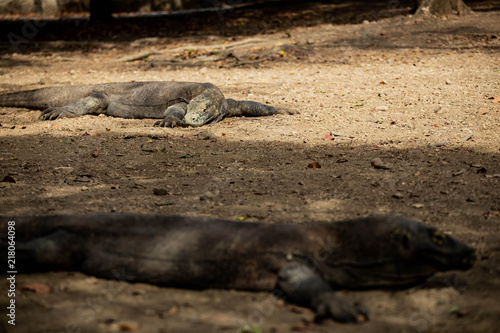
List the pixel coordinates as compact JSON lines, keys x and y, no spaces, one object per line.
{"x":100,"y":10}
{"x":442,"y":7}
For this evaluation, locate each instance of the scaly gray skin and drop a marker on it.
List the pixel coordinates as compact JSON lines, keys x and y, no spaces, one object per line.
{"x":175,"y":103}
{"x":305,"y":261}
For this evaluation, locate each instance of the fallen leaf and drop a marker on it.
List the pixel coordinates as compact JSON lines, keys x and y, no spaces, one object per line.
{"x":495,"y":99}
{"x":314,"y":165}
{"x":173,"y":310}
{"x":127,"y":327}
{"x":39,"y":288}
{"x":186,"y":156}
{"x":328,"y":137}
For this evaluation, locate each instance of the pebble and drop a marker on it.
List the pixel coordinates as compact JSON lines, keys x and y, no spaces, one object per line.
{"x":466,"y":138}
{"x":64,"y":170}
{"x":334,"y":133}
{"x":378,"y":164}
{"x":458,"y":173}
{"x":207,"y":196}
{"x":398,"y":195}
{"x":418,"y":205}
{"x":160,"y":191}
{"x":382,"y":108}
{"x":207,"y":135}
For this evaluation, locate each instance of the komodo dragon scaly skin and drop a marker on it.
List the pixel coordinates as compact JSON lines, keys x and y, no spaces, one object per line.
{"x":175,"y":103}
{"x":305,"y":261}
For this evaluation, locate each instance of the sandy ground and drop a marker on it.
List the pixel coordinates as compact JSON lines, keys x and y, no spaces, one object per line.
{"x":416,"y":94}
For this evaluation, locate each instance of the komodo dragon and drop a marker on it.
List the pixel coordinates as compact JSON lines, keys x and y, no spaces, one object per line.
{"x":175,"y":103}
{"x":304,"y":261}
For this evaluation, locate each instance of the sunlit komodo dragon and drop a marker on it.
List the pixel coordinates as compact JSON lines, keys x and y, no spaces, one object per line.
{"x":175,"y":103}
{"x":303,"y":263}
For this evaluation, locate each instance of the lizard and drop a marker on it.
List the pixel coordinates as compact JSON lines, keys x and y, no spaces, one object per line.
{"x":305,"y":262}
{"x":175,"y":103}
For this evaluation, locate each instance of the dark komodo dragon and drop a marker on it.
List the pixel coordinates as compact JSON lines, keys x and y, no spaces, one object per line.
{"x":175,"y":103}
{"x":303,"y":262}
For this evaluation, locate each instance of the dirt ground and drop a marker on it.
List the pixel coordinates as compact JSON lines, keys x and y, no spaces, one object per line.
{"x":418,"y":94}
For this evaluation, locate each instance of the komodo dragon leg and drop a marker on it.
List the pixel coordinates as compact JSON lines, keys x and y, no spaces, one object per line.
{"x":303,"y":286}
{"x":96,"y":103}
{"x":173,"y":116}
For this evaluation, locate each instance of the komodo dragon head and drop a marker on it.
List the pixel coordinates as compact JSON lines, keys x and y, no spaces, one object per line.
{"x":208,"y":107}
{"x":392,"y":252}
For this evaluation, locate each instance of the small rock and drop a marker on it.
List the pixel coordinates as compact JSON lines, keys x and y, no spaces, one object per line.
{"x":398,"y":195}
{"x":418,"y":205}
{"x":438,"y":144}
{"x":447,"y":81}
{"x":382,"y":108}
{"x":207,"y":135}
{"x":466,"y":138}
{"x":207,"y":196}
{"x":82,"y":179}
{"x":458,"y":173}
{"x":378,"y":164}
{"x":8,"y":179}
{"x":334,"y":133}
{"x":160,"y":191}
{"x":462,"y":313}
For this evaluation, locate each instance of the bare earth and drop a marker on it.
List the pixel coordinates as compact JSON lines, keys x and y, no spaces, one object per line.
{"x":416,"y":94}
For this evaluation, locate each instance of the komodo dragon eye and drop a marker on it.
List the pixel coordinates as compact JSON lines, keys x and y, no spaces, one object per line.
{"x":438,"y":237}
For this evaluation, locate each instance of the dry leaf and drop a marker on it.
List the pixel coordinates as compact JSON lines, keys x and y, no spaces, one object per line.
{"x":328,"y":137}
{"x":39,"y":288}
{"x":128,"y":327}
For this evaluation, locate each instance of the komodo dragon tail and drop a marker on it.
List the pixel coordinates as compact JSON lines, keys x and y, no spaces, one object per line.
{"x":40,"y":99}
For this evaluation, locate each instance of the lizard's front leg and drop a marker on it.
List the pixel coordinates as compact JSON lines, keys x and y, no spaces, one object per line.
{"x":304,"y":286}
{"x":94,"y":104}
{"x":173,"y":116}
